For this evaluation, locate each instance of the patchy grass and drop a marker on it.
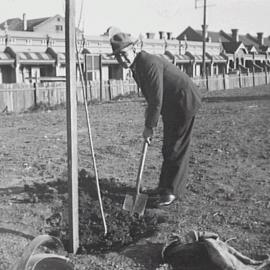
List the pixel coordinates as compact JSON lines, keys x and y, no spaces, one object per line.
{"x":227,"y":193}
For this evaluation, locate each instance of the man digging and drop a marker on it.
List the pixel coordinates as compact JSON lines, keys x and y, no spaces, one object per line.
{"x":171,"y":94}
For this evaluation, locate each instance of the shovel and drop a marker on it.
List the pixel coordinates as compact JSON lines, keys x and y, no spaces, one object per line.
{"x":137,"y":203}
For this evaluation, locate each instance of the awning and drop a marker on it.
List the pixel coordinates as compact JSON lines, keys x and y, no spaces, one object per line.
{"x":218,"y":59}
{"x":108,"y":59}
{"x":199,"y":58}
{"x":38,"y":58}
{"x":62,"y":57}
{"x":6,"y":59}
{"x":182,"y":58}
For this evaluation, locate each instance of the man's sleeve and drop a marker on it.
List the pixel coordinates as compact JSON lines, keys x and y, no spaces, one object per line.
{"x":153,"y":89}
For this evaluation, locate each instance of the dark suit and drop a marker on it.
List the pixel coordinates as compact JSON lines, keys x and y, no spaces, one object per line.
{"x":171,"y":94}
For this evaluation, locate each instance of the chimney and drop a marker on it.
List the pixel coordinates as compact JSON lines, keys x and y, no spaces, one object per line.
{"x":260,"y":38}
{"x":150,"y":35}
{"x":169,"y":35}
{"x":24,"y":22}
{"x":206,"y":27}
{"x":235,"y":36}
{"x":162,"y":35}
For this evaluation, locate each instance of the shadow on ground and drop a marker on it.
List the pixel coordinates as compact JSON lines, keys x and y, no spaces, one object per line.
{"x":235,"y":98}
{"x":148,"y":254}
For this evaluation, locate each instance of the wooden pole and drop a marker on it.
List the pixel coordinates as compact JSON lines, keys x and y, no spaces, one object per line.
{"x":72,"y":126}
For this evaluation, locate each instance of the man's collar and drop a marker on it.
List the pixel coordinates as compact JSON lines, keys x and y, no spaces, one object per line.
{"x":133,"y":65}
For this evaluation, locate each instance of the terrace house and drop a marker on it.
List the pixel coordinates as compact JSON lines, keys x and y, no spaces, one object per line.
{"x":35,"y":50}
{"x":240,"y":52}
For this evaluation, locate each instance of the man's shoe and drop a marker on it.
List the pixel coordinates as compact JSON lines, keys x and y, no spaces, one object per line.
{"x":166,"y":200}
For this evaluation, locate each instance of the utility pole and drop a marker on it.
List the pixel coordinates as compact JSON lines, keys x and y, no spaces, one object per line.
{"x":204,"y":37}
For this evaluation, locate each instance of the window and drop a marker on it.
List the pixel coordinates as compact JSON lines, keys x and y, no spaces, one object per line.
{"x":29,"y":41}
{"x":58,"y":19}
{"x":59,"y":28}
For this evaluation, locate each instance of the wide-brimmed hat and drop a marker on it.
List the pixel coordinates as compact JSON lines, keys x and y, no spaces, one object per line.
{"x":121,"y":40}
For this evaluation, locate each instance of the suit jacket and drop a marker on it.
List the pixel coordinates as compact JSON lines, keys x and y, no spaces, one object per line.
{"x":168,"y":91}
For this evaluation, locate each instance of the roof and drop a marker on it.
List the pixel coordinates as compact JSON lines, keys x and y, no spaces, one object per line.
{"x":190,"y":34}
{"x":251,"y":48}
{"x":14,"y":24}
{"x":196,"y":35}
{"x":32,"y":23}
{"x":231,"y":47}
{"x":220,"y":36}
{"x":214,"y":36}
{"x":265,"y":48}
{"x":249,"y":40}
{"x":266,"y":41}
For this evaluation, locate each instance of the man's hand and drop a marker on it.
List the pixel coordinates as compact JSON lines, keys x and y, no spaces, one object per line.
{"x":148,"y":134}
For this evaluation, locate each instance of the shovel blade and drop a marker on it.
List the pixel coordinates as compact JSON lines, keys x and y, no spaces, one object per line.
{"x":135,"y":204}
{"x":128,"y":203}
{"x":140,"y":204}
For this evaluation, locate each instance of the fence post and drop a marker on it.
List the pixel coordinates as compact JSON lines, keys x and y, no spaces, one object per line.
{"x":138,"y":90}
{"x":109,"y":89}
{"x":240,"y":82}
{"x":253,"y":75}
{"x":90,"y":90}
{"x":35,"y":93}
{"x":265,"y":71}
{"x":35,"y":89}
{"x":206,"y":77}
{"x":224,"y":80}
{"x":100,"y":77}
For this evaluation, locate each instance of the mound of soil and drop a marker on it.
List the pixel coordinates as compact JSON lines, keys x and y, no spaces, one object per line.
{"x":123,"y":228}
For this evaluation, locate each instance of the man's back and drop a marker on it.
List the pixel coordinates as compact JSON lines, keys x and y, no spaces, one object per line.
{"x":179,"y":91}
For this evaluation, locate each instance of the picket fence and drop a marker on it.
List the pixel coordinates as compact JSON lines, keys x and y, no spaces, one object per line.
{"x":20,"y":97}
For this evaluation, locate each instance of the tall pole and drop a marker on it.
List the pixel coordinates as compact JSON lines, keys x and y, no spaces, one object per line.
{"x":72,"y":126}
{"x":204,"y":33}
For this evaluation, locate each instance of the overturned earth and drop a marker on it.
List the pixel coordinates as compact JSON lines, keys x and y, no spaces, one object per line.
{"x":123,"y":228}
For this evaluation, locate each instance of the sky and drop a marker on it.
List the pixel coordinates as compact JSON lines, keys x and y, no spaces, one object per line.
{"x":141,"y":16}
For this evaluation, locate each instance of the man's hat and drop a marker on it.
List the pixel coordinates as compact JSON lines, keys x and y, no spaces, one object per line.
{"x":120,"y":41}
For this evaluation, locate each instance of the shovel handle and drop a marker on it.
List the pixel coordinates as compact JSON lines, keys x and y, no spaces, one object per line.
{"x":141,"y":166}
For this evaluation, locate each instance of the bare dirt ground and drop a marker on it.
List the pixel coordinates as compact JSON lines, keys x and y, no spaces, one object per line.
{"x":229,"y":182}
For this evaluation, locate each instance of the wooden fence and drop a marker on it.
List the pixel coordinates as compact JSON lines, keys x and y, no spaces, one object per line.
{"x":19,"y":97}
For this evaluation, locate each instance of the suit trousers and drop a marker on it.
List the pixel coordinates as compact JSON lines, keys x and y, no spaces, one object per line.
{"x":176,"y":153}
